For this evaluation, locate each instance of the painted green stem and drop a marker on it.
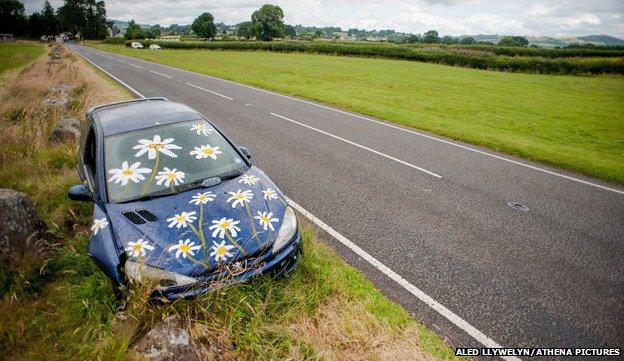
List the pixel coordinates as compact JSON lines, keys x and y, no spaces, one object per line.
{"x":231,"y":239}
{"x":253,"y":226}
{"x":151,"y":178}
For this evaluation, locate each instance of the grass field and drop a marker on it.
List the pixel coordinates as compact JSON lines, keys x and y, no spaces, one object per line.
{"x":16,"y":55}
{"x":571,"y":122}
{"x":61,"y":306}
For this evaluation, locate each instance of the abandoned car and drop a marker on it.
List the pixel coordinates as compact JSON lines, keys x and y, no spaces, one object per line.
{"x":177,"y":203}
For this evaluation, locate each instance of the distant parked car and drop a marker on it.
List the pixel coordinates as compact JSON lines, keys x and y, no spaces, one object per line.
{"x":155,"y":47}
{"x":177,"y":203}
{"x":137,"y":45}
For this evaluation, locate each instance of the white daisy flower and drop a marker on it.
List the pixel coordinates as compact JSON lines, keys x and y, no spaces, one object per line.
{"x":170,"y":175}
{"x":221,"y":251}
{"x":265,"y":219}
{"x":239,"y":197}
{"x":206,"y":151}
{"x":184,"y":247}
{"x":269,"y":194}
{"x":249,"y":179}
{"x":126,"y":173}
{"x":182,"y":219}
{"x":98,"y":224}
{"x":224,"y":224}
{"x":203,"y":198}
{"x":152,"y":147}
{"x":204,"y":129}
{"x":137,"y":249}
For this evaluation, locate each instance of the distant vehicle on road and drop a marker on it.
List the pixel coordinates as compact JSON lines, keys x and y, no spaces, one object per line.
{"x":136,"y":45}
{"x":177,"y":203}
{"x":155,"y":47}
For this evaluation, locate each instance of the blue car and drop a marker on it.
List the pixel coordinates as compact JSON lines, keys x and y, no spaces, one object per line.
{"x":176,"y":203}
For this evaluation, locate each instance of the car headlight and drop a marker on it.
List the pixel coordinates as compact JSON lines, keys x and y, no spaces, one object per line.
{"x":286,"y":231}
{"x":138,"y":271}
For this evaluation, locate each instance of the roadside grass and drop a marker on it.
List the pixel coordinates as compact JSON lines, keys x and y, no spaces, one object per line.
{"x":17,"y":55}
{"x":572,"y":122}
{"x":63,"y":307}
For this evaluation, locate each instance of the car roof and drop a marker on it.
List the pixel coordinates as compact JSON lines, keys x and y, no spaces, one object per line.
{"x":140,"y":114}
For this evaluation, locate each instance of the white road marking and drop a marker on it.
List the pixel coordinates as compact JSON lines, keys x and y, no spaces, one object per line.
{"x":111,"y":75}
{"x":360,"y":146}
{"x":406,"y":130}
{"x":136,"y":66}
{"x":121,"y":61}
{"x":161,"y":74}
{"x":209,"y":91}
{"x":445,"y":312}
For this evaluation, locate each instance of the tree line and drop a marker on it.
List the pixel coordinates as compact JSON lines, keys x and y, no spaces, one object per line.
{"x":84,"y":17}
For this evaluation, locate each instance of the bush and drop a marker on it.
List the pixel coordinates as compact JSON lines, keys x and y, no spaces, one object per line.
{"x":114,"y":41}
{"x":514,"y":59}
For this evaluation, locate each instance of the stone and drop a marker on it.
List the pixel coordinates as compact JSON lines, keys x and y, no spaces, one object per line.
{"x":21,"y":229}
{"x":66,"y":129}
{"x":167,"y":341}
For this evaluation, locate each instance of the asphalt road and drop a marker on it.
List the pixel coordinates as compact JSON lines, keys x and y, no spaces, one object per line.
{"x":432,"y":210}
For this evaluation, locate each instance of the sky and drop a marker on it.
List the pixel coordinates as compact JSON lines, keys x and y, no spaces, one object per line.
{"x":449,"y":17}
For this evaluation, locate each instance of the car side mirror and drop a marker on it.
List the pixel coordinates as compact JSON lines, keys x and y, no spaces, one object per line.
{"x":245,"y":152}
{"x":79,"y":193}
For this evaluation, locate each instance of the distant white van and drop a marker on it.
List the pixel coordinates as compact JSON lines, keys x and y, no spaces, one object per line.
{"x":154,"y":46}
{"x":136,"y":45}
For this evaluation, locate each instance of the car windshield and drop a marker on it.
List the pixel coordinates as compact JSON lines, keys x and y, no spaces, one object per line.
{"x":167,"y":159}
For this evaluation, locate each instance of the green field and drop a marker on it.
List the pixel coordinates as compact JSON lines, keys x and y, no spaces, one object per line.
{"x":567,"y":121}
{"x":16,"y":55}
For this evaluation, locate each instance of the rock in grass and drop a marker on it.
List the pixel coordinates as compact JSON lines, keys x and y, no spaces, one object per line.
{"x":66,"y":129}
{"x":167,"y":341}
{"x":21,"y":229}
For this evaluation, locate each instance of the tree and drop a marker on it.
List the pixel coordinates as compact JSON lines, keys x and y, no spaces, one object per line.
{"x":289,"y":30}
{"x":134,"y":31}
{"x":35,"y":25}
{"x":243,"y":30}
{"x":87,"y":17}
{"x":204,"y":26}
{"x":267,"y":22}
{"x":447,"y":39}
{"x":467,"y":40}
{"x":513,"y":41}
{"x":13,"y":19}
{"x":430,"y":37}
{"x":50,"y":21}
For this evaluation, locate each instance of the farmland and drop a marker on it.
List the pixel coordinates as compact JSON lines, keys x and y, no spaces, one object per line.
{"x":16,"y":55}
{"x":572,"y":122}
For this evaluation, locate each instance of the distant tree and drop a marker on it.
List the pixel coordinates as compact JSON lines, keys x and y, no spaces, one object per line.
{"x":35,"y":25}
{"x":513,"y":41}
{"x":12,"y":17}
{"x":430,"y":37}
{"x":156,"y":30}
{"x":87,"y":17}
{"x":289,"y":30}
{"x":267,"y":22}
{"x":447,"y":39}
{"x":318,"y":34}
{"x":409,"y":39}
{"x":204,"y":26}
{"x":352,"y":32}
{"x":468,"y":40}
{"x":50,"y":21}
{"x":134,"y":31}
{"x":243,"y":30}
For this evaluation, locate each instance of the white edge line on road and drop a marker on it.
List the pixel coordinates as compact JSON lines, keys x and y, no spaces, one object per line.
{"x":136,"y":66}
{"x":121,"y":61}
{"x":111,"y":75}
{"x":209,"y":91}
{"x":161,"y":74}
{"x":401,"y":129}
{"x":360,"y":146}
{"x":445,"y":312}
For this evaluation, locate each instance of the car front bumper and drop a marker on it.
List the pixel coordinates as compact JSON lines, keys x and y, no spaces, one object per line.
{"x":277,"y":265}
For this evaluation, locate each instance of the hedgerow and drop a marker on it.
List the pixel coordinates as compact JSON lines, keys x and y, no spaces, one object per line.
{"x":491,"y":58}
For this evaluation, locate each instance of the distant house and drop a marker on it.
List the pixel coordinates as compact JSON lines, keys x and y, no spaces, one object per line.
{"x":6,"y":37}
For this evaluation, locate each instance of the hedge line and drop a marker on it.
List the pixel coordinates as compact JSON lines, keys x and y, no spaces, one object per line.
{"x":447,"y":56}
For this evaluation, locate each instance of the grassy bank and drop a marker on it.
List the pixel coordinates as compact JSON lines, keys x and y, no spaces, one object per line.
{"x":575,"y":123}
{"x":17,"y":55}
{"x":63,"y":307}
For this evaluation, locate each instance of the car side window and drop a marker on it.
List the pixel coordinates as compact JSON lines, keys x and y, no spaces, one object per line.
{"x":89,"y":159}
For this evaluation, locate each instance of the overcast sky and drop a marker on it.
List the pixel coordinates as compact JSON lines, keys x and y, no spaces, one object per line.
{"x":449,"y":17}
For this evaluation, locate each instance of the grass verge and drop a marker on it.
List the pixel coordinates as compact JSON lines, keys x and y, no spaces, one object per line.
{"x":16,"y":55}
{"x":64,"y":308}
{"x":570,"y":122}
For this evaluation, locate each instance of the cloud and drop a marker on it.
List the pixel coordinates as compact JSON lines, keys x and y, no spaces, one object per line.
{"x":452,"y":17}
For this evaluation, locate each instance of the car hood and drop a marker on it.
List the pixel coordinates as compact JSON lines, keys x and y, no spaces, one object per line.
{"x":152,"y":222}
